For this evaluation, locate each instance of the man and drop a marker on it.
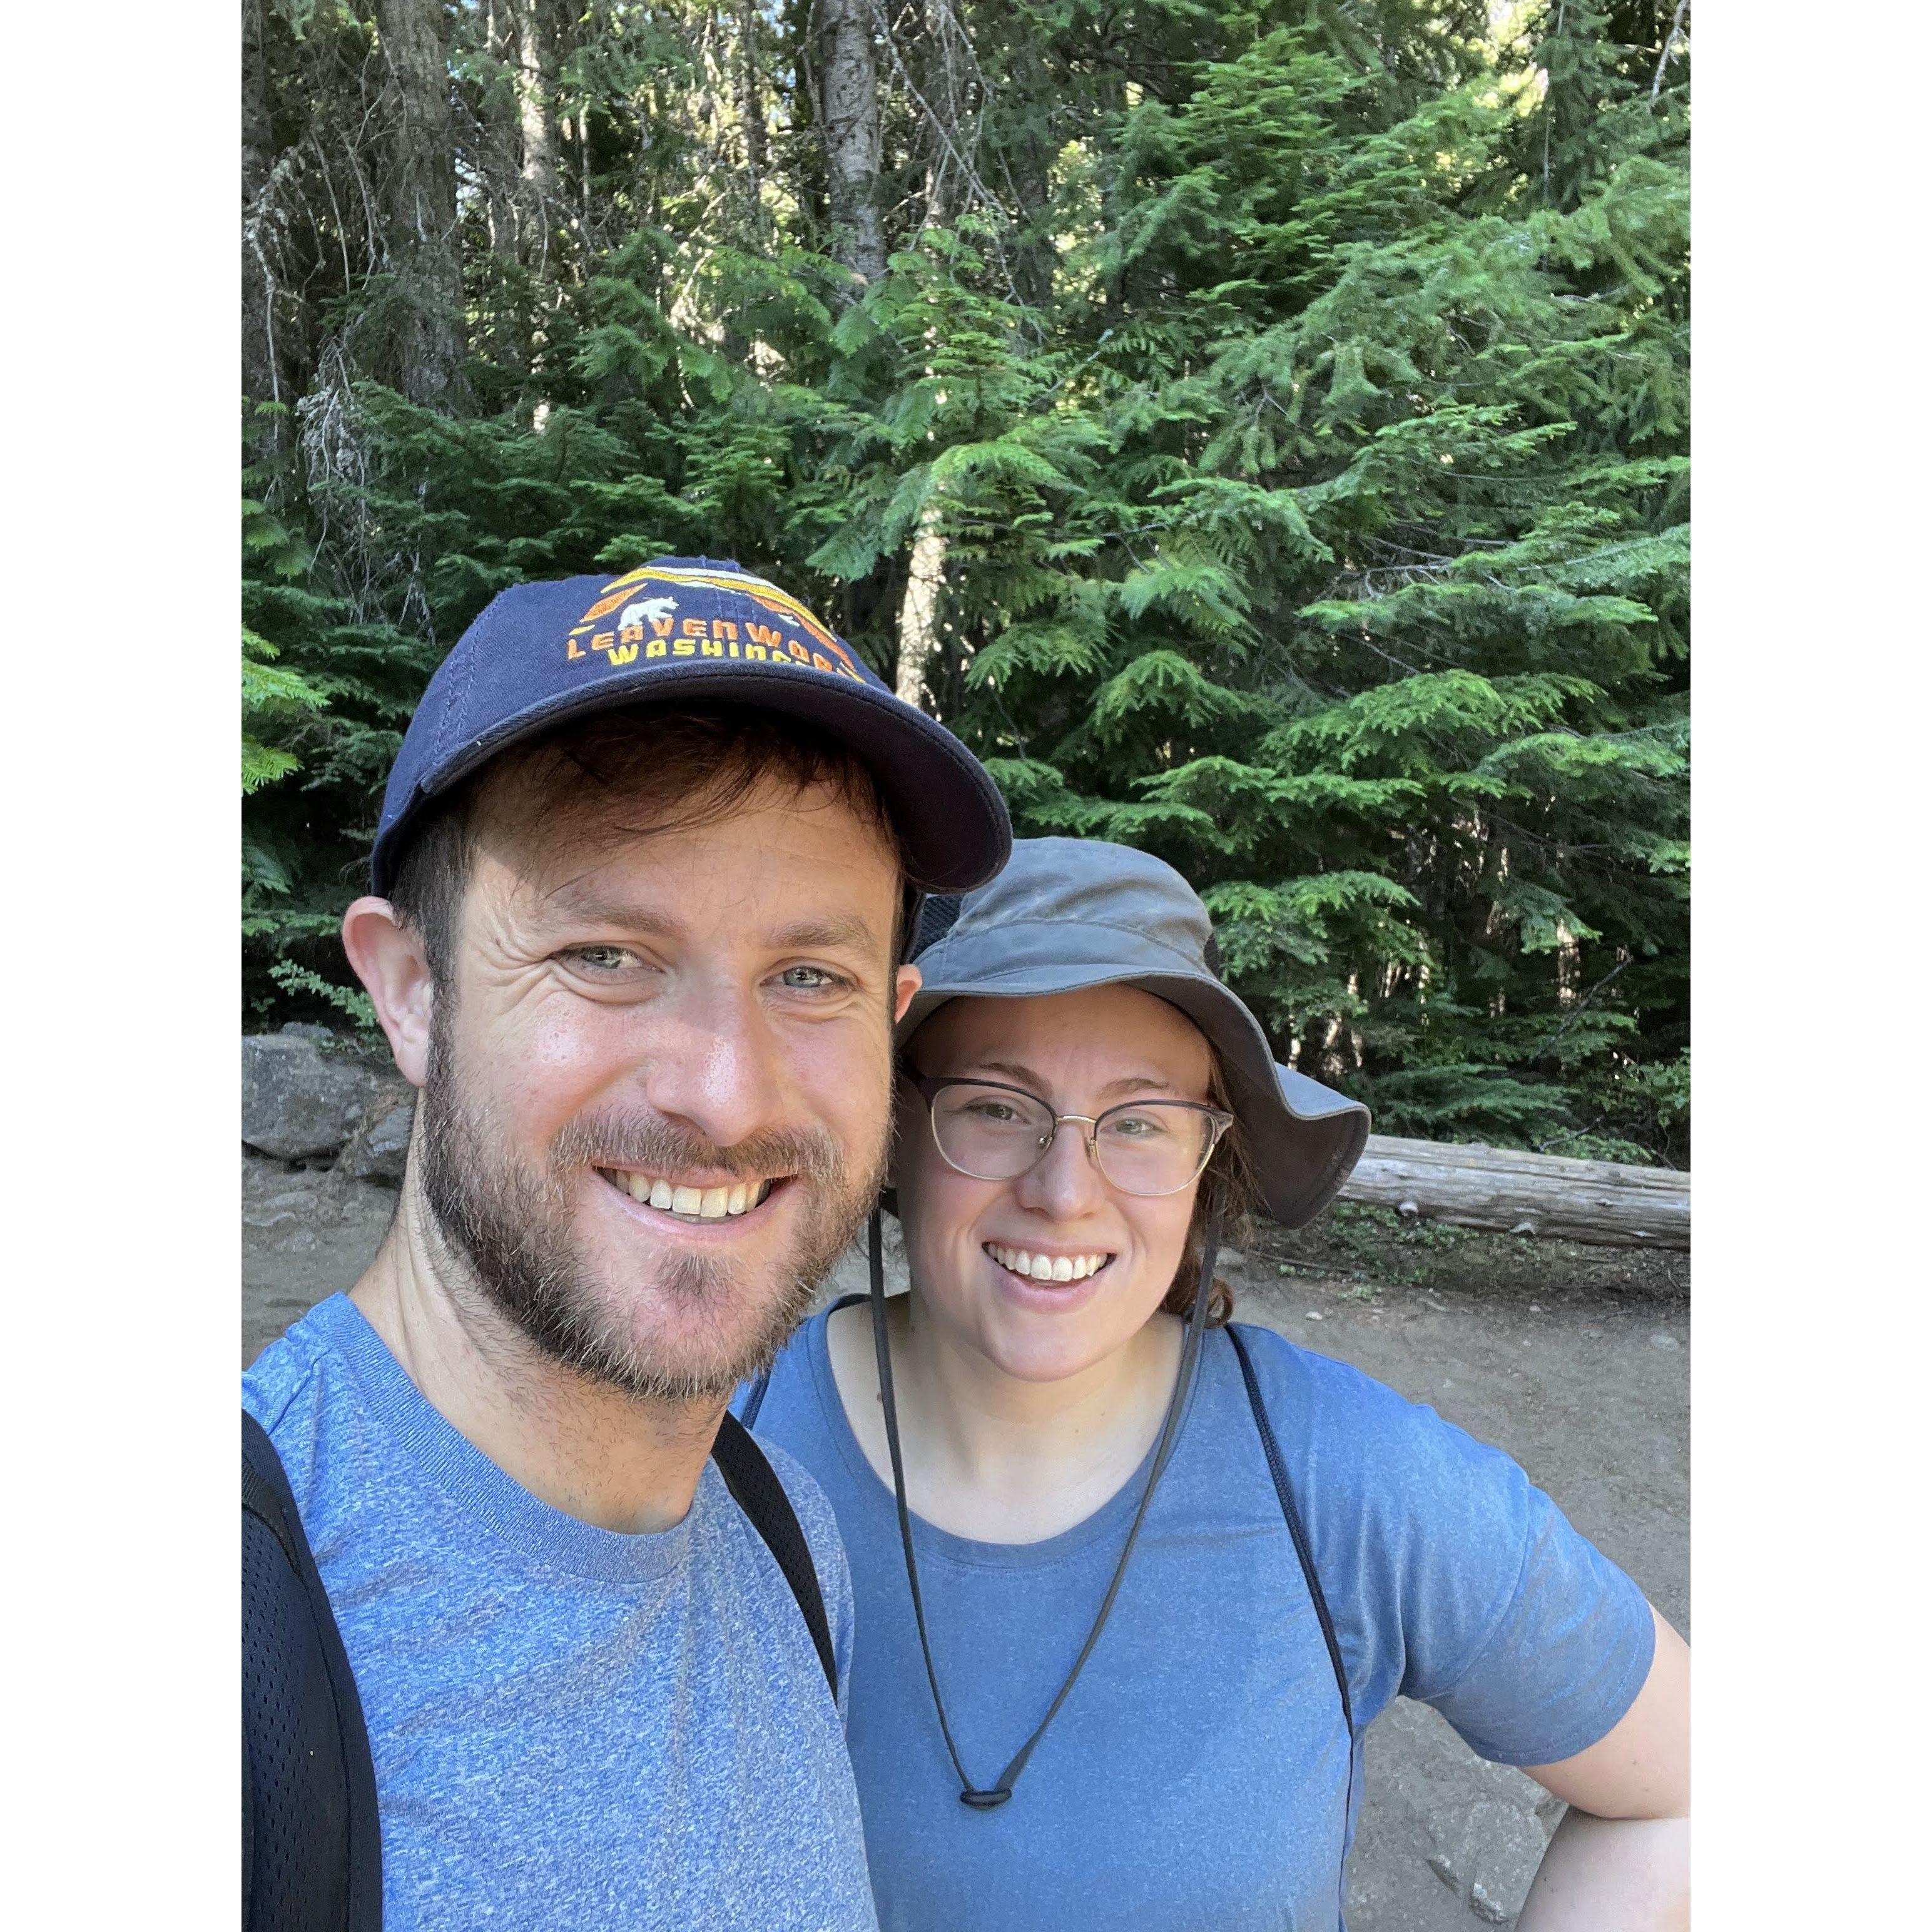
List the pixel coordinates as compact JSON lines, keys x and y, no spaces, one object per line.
{"x":643,"y":966}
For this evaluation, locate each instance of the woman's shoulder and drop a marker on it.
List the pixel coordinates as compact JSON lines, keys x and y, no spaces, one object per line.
{"x":1348,"y":1429}
{"x":1303,"y":1382}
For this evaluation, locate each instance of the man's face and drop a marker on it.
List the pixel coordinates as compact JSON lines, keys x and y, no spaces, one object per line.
{"x":659,"y":1082}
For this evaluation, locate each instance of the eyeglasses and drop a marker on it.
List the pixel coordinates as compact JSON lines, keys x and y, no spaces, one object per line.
{"x":991,"y":1131}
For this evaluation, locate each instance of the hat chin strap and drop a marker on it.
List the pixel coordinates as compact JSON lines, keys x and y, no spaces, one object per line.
{"x":988,"y":1798}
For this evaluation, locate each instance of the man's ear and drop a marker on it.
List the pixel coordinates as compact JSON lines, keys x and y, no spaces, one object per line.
{"x":388,"y":958}
{"x":910,"y":980}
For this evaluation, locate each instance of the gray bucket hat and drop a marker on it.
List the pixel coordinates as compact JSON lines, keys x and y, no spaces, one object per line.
{"x":1069,"y":913}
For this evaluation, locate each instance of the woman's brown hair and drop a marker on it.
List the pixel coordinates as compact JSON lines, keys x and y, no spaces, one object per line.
{"x":1232,"y":1170}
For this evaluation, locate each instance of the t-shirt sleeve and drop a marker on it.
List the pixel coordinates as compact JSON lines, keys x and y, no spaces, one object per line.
{"x":828,"y":1554}
{"x":1534,"y":1653}
{"x":1469,"y":1588}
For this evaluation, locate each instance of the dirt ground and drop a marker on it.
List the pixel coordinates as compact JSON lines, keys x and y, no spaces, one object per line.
{"x":1575,"y":1361}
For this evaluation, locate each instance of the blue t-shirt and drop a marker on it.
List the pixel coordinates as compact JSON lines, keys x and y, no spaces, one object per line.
{"x":1197,"y":1777}
{"x":571,"y":1728}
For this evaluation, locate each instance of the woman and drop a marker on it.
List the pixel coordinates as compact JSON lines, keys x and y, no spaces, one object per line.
{"x":1131,"y":1580}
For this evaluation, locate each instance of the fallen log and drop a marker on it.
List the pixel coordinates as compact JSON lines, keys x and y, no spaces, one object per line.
{"x":1503,"y":1191}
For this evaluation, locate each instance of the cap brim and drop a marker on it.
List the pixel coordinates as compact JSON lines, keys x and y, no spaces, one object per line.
{"x":951,"y":820}
{"x":1304,"y":1138}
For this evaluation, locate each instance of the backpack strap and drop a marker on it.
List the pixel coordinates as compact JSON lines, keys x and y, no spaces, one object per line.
{"x":1304,"y":1554}
{"x":757,"y":1490}
{"x":312,"y":1849}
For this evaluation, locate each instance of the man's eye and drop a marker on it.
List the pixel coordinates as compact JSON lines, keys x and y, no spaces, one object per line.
{"x":809,"y":979}
{"x":604,"y":958}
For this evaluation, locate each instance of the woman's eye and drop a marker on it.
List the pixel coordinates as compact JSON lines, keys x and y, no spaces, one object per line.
{"x":993,"y":1110}
{"x":1135,"y":1126}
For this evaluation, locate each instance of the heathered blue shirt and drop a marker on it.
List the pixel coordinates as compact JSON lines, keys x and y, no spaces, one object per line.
{"x":1197,"y":1775}
{"x":571,"y":1728}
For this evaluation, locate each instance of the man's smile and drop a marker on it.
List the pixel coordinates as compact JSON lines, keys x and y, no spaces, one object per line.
{"x":693,"y":1199}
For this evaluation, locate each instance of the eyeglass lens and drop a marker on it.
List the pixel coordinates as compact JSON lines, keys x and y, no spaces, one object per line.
{"x":1152,"y":1146}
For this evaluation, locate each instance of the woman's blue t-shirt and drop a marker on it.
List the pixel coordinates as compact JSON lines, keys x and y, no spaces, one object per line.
{"x":1196,"y":1776}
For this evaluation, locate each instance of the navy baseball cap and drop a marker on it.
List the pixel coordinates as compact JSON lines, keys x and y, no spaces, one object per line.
{"x":688,"y":628}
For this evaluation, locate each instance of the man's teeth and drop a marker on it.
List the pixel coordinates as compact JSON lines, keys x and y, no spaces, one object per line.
{"x":1048,"y":1267}
{"x":693,"y":1204}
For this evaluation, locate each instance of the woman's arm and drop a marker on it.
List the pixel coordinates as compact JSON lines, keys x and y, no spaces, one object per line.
{"x":1620,"y":1861}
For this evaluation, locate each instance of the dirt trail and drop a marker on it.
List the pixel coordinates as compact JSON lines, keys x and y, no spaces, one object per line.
{"x":1577,"y":1364}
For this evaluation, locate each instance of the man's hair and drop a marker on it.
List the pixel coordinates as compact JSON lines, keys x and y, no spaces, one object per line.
{"x":673,"y":769}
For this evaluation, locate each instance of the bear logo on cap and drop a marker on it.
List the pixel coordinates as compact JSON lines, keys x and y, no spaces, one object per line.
{"x":650,"y":626}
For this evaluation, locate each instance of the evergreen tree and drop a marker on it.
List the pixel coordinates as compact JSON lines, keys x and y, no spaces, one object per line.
{"x":1264,"y":442}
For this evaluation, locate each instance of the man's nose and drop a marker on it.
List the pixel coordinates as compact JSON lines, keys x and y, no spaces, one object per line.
{"x":713,"y":1064}
{"x":1065,"y":1185}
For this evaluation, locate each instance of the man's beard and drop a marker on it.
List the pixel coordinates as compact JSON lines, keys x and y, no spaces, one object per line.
{"x":515,"y":1230}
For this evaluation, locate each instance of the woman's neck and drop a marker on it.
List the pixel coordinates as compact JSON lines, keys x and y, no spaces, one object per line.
{"x":990,"y":1456}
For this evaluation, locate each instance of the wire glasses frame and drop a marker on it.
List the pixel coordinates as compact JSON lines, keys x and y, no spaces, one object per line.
{"x":1215,"y":1122}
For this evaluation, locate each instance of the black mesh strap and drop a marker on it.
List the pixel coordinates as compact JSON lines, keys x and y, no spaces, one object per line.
{"x":754,"y":1486}
{"x":312,"y":1858}
{"x":936,"y":918}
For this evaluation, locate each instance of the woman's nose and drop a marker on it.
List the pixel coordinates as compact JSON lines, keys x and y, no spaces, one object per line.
{"x":1064,"y":1184}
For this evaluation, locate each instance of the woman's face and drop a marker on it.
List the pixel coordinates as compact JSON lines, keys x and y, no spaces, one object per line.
{"x":1083,"y":1052}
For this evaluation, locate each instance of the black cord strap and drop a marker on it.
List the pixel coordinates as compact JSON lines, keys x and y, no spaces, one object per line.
{"x":988,"y":1799}
{"x":1297,"y":1534}
{"x":1304,"y":1555}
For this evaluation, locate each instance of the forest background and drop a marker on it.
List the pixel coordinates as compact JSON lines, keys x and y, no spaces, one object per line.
{"x":1260,"y":431}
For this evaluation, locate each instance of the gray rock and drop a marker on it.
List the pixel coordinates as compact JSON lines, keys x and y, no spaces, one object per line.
{"x":1660,"y":1340}
{"x":1493,"y":1848}
{"x":298,"y":1102}
{"x":1444,"y":1839}
{"x":379,"y":1148}
{"x":308,"y":1030}
{"x":1492,"y":1911}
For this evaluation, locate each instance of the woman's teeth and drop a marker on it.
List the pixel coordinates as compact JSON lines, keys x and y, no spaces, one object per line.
{"x":688,"y":1203}
{"x":1048,"y":1267}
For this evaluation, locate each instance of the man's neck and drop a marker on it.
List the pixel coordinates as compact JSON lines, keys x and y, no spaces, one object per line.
{"x":619,"y":1462}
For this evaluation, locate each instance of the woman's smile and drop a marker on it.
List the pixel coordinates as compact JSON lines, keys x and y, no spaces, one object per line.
{"x":1055,"y":1279}
{"x":1049,"y":1264}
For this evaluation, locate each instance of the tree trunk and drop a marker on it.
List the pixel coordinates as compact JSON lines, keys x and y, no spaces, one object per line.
{"x":1029,"y":160}
{"x":419,"y":202}
{"x":919,"y":609}
{"x":500,"y":170}
{"x":852,"y":135}
{"x":751,"y":96}
{"x":1499,"y":1188}
{"x":261,"y":371}
{"x":536,"y":112}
